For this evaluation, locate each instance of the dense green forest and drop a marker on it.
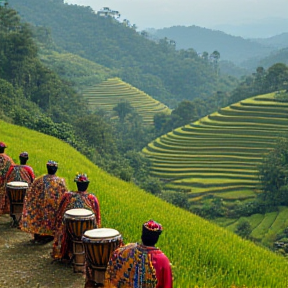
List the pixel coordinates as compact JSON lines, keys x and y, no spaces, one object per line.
{"x":37,"y":93}
{"x":156,"y":68}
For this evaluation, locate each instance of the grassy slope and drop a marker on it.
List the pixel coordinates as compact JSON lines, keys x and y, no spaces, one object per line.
{"x":80,"y":71}
{"x":201,"y":253}
{"x":220,"y":152}
{"x":111,"y":92}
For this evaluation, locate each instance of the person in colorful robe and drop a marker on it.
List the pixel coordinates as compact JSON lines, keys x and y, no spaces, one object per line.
{"x":21,"y":172}
{"x":140,"y":265}
{"x":41,"y":203}
{"x":62,"y":246}
{"x":5,"y":163}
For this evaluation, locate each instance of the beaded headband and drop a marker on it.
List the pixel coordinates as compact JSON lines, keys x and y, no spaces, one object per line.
{"x":24,"y":155}
{"x":3,"y":145}
{"x":52,"y":163}
{"x":80,"y":177}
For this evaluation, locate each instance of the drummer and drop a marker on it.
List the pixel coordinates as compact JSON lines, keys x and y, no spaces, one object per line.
{"x":71,"y":200}
{"x":21,"y":172}
{"x":41,"y":203}
{"x":128,"y":262}
{"x":5,"y":163}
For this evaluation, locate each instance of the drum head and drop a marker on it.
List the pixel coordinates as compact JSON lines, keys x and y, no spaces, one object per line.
{"x":101,"y":233}
{"x":78,"y":212}
{"x":17,"y":184}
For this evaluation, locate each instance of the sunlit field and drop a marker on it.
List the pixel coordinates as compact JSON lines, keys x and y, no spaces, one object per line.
{"x":202,"y":254}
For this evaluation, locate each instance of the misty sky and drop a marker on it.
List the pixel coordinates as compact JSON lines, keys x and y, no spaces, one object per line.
{"x":204,"y":13}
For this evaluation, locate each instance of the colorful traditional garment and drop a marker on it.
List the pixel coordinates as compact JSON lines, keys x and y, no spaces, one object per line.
{"x":20,"y":173}
{"x":138,"y":266}
{"x":62,"y":247}
{"x":41,"y":203}
{"x":5,"y":163}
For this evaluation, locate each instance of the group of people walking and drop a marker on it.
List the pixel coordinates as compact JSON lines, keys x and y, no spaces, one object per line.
{"x":135,"y":265}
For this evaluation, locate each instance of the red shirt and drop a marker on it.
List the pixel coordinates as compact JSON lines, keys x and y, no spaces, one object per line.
{"x":162,"y":266}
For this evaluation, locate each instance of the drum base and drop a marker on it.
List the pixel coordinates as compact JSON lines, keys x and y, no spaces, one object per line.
{"x":96,"y":275}
{"x":78,"y":257}
{"x":16,"y":214}
{"x":92,"y":284}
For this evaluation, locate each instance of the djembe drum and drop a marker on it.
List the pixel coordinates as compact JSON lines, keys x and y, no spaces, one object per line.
{"x":99,"y":245}
{"x":16,"y":191}
{"x":77,"y":221}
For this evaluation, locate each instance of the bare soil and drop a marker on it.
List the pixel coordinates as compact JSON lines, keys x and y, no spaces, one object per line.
{"x":23,"y":264}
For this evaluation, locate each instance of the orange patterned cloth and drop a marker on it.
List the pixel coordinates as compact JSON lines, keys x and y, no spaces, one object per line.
{"x":138,"y":266}
{"x":5,"y":163}
{"x":62,"y":246}
{"x":41,"y":203}
{"x":20,"y":173}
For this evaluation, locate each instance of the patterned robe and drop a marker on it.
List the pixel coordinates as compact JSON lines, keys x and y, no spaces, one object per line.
{"x":20,"y":173}
{"x":138,"y":266}
{"x":41,"y":203}
{"x":62,"y":246}
{"x":5,"y":163}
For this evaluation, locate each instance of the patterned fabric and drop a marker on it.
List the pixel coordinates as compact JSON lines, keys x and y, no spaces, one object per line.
{"x":62,"y":246}
{"x":135,"y":265}
{"x":131,"y":267}
{"x":5,"y":163}
{"x":41,"y":203}
{"x":20,"y":173}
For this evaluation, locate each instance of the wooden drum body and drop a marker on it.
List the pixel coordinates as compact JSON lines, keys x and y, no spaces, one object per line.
{"x":16,"y":191}
{"x":99,"y":245}
{"x":77,"y":221}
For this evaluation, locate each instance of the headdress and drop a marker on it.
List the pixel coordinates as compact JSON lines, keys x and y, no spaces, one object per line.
{"x":24,"y":155}
{"x":80,"y":177}
{"x":153,"y":226}
{"x":52,"y":163}
{"x":3,"y":145}
{"x":151,"y":231}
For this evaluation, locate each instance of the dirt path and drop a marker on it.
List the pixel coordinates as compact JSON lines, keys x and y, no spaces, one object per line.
{"x":23,"y":264}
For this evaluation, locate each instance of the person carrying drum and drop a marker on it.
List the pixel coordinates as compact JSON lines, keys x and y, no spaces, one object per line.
{"x":62,"y":249}
{"x":5,"y":163}
{"x":41,"y":203}
{"x":140,"y":265}
{"x":21,"y":172}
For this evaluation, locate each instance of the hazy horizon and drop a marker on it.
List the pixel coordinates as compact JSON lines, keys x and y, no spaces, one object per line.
{"x":246,"y":18}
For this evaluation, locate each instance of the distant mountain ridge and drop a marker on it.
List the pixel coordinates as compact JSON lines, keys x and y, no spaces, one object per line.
{"x":277,"y":41}
{"x":231,"y":48}
{"x":259,"y":28}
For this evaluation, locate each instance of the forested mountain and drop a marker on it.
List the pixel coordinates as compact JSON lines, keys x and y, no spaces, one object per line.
{"x":277,"y":41}
{"x":155,"y":68}
{"x":277,"y":56}
{"x":231,"y":48}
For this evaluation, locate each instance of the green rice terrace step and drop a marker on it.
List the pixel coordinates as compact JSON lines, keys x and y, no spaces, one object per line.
{"x":222,"y":150}
{"x":111,"y":92}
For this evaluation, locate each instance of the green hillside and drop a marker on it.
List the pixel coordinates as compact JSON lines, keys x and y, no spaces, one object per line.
{"x":108,"y":94}
{"x":159,"y":70}
{"x":201,"y":253}
{"x":75,"y":69}
{"x":219,"y":154}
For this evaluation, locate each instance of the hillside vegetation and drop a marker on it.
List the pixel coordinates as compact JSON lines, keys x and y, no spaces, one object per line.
{"x":75,"y":69}
{"x":201,"y":253}
{"x":110,"y":93}
{"x":219,"y":154}
{"x":157,"y":69}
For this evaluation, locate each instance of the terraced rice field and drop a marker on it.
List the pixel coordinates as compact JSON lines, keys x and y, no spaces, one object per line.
{"x":219,"y":154}
{"x":265,"y":227}
{"x":109,"y":93}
